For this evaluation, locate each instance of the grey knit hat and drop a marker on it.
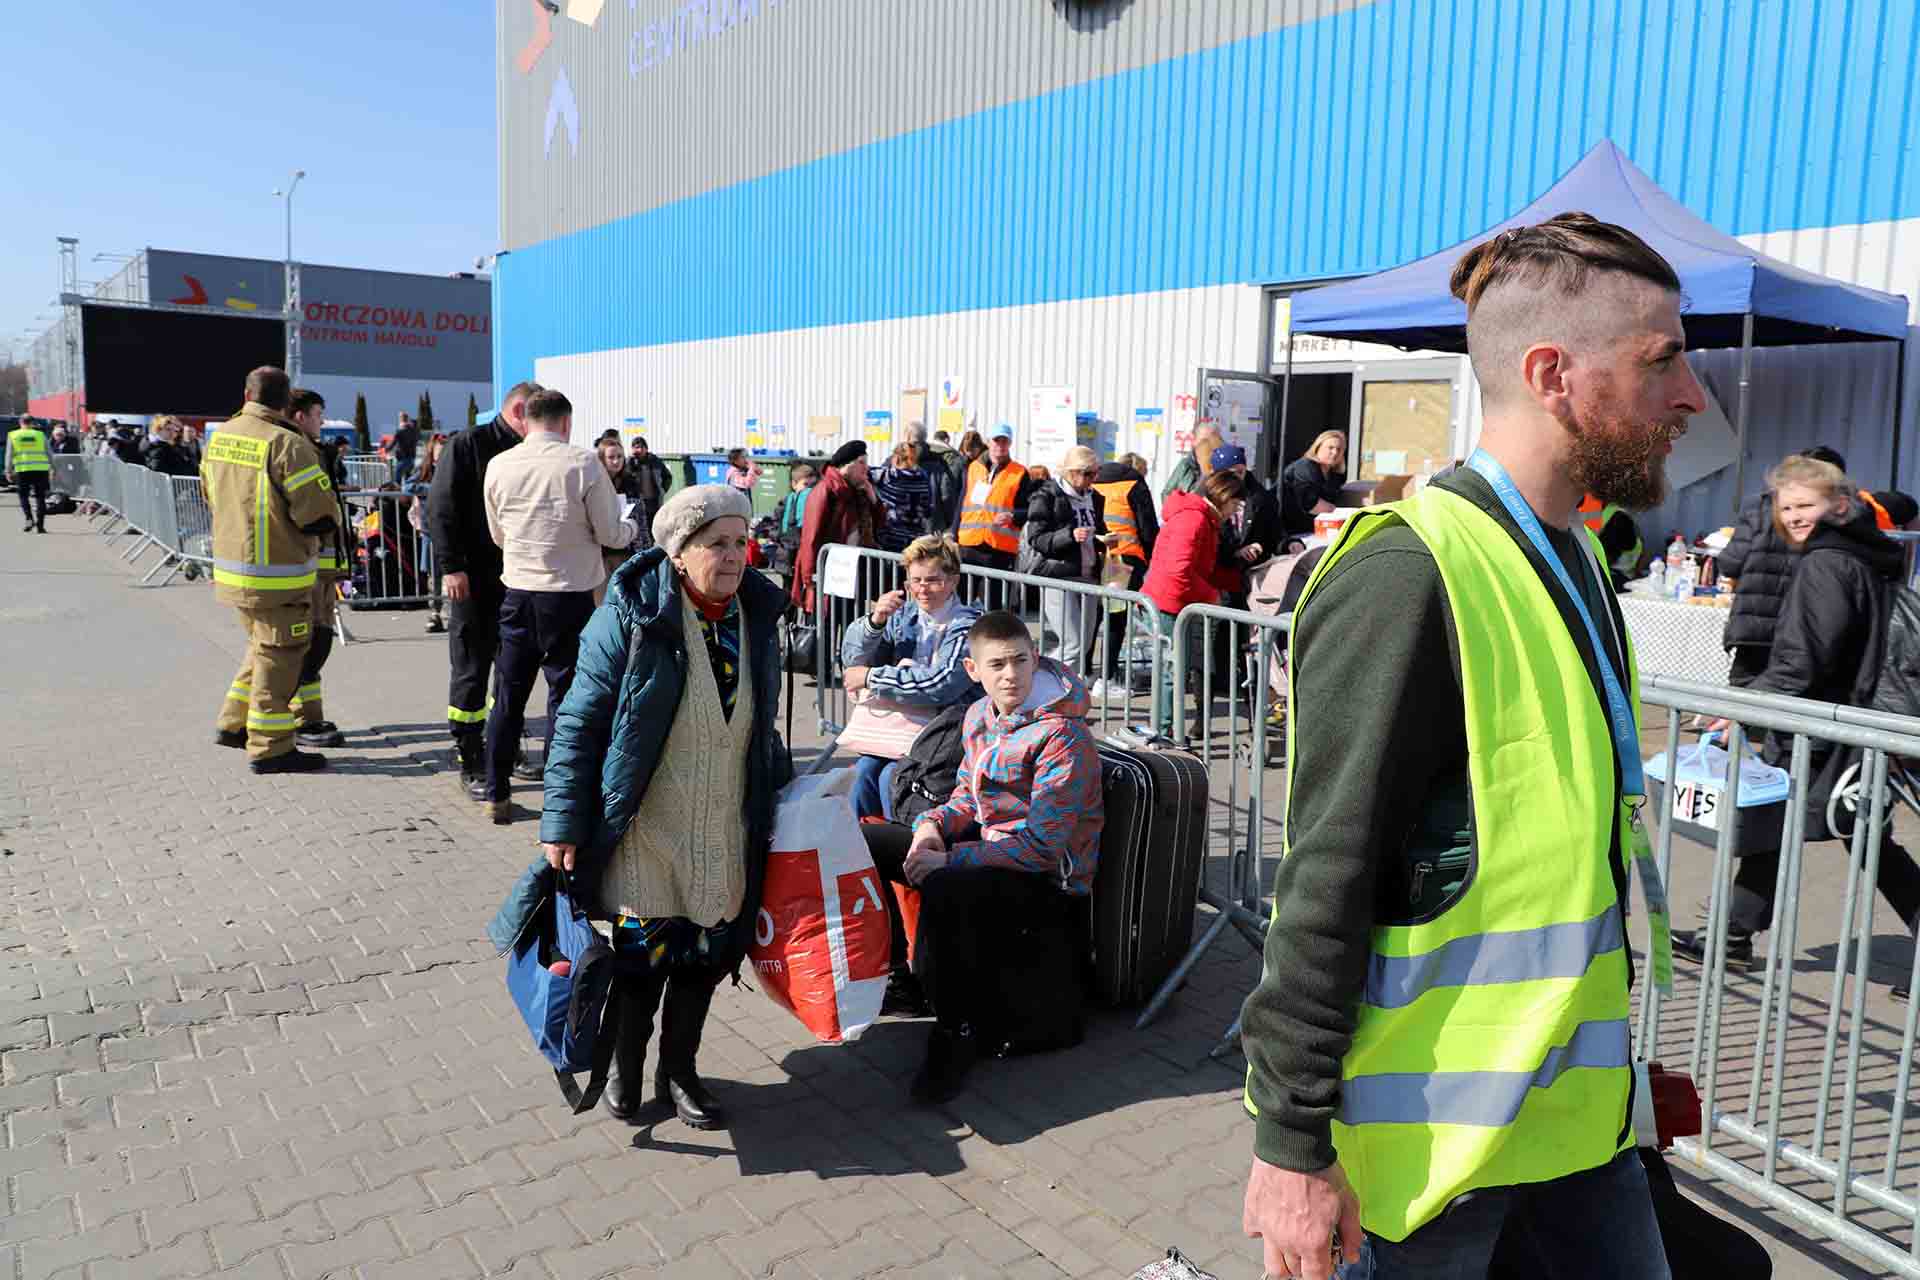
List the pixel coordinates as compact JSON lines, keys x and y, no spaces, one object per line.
{"x":691,"y":510}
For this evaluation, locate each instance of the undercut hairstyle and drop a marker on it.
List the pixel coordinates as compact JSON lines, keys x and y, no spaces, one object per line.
{"x":522,"y":391}
{"x":1000,"y":625}
{"x":933,"y":548}
{"x":1534,"y":284}
{"x":1223,"y":487}
{"x":269,"y":386}
{"x":548,"y":408}
{"x":303,"y":399}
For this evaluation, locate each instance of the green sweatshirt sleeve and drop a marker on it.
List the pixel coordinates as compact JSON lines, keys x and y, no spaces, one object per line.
{"x":1377,"y":718}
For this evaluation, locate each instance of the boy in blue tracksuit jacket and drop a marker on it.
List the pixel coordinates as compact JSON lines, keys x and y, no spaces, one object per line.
{"x":910,"y":654}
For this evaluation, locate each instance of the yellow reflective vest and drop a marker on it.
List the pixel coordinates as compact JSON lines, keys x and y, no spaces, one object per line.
{"x":264,"y":485}
{"x":1491,"y":1046}
{"x":27,"y":451}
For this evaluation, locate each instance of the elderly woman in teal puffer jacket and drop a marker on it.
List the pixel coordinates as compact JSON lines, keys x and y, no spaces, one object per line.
{"x":661,"y":780}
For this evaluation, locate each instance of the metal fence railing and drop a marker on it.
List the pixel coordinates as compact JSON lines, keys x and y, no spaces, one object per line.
{"x":1119,"y":643}
{"x":393,"y":560}
{"x":366,"y":471}
{"x":1829,"y":1158}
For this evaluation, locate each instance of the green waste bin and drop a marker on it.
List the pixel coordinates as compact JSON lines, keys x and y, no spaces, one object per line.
{"x":776,"y":478}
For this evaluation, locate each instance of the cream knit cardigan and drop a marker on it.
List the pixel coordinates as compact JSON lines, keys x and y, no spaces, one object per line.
{"x":685,"y":852}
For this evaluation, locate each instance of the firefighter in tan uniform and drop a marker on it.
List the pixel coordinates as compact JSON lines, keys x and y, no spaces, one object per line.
{"x":309,"y":412}
{"x":271,"y":501}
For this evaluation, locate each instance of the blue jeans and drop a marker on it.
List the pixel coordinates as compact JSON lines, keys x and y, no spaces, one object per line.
{"x":1596,"y":1225}
{"x":872,"y":793}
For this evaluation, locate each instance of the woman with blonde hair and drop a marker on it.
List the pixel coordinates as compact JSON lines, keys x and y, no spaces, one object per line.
{"x":1065,"y":526}
{"x":1827,"y":646}
{"x":1312,"y":482}
{"x":1192,"y":470}
{"x":906,"y":498}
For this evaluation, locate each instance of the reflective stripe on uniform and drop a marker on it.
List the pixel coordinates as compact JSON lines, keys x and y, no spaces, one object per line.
{"x":308,"y":692}
{"x":458,"y":716}
{"x":1486,"y":1098}
{"x":977,"y":525}
{"x":238,"y":692}
{"x":1494,"y":959}
{"x":271,"y":721}
{"x":304,"y":477}
{"x":303,"y":579}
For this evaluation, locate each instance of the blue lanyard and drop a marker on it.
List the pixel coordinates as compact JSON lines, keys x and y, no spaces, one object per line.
{"x":1626,"y":740}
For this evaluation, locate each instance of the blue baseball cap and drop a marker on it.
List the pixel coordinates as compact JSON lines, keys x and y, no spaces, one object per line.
{"x":1228,"y":455}
{"x":1001,"y":432}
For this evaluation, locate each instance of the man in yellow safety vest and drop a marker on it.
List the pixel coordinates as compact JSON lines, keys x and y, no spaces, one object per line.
{"x":271,"y":501}
{"x":29,"y":466}
{"x":1438,"y":1050}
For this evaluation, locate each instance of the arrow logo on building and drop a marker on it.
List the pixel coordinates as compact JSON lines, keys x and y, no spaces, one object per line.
{"x":562,"y":109}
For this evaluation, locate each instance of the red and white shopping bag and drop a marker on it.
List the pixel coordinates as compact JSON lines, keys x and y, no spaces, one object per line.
{"x":821,"y":942}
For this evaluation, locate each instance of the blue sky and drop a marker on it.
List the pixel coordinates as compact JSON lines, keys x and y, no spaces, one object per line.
{"x":132,"y":124}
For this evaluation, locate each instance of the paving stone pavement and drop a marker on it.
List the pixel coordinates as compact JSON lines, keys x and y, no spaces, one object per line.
{"x":251,"y":1027}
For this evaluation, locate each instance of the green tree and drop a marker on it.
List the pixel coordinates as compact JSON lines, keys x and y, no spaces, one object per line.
{"x":473,"y":411}
{"x":361,"y":431}
{"x":424,"y":418}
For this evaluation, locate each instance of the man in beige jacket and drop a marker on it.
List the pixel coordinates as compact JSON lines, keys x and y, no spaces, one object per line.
{"x":550,"y":508}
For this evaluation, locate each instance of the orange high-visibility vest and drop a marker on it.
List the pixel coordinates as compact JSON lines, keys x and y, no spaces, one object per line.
{"x":1120,"y":522}
{"x":976,"y":517}
{"x":1882,"y":520}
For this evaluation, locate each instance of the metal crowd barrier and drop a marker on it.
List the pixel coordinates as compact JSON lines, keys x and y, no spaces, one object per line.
{"x":1831,"y":1153}
{"x":1910,"y":544}
{"x":366,"y":471}
{"x":1122,"y":655}
{"x":394,"y":565}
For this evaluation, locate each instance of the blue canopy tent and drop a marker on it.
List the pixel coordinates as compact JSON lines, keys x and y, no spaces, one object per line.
{"x":1733,"y":296}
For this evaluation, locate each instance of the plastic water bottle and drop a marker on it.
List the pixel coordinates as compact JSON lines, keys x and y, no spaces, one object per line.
{"x":1689,"y":574}
{"x":1657,"y":575}
{"x":1676,"y":561}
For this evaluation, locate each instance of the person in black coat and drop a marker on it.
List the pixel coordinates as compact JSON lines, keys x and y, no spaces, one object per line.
{"x":470,"y":566}
{"x":1255,"y":535}
{"x":1759,"y":564}
{"x":1065,"y":530}
{"x":1312,"y":482}
{"x":1827,"y":647}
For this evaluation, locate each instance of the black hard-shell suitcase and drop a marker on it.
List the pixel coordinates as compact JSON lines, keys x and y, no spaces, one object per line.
{"x":1150,"y":862}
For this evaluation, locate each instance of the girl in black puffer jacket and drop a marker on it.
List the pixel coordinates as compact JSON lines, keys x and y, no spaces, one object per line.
{"x":1760,"y":562}
{"x":1827,"y":646}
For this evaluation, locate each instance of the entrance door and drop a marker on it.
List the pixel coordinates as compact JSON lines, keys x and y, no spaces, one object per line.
{"x":1246,"y":409}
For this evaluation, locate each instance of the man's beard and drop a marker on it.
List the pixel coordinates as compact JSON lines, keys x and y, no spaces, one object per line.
{"x":1614,"y":455}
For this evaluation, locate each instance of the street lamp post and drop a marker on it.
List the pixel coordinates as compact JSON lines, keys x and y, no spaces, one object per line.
{"x":291,"y":307}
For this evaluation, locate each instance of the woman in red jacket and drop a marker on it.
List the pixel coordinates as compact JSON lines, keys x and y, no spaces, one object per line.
{"x":1185,"y":567}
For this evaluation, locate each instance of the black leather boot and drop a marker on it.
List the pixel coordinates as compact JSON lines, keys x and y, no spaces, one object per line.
{"x":468,"y":746}
{"x":627,"y":1087}
{"x":681,"y":1022}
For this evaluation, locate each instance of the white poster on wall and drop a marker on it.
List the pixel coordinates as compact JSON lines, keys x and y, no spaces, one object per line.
{"x":1052,"y":428}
